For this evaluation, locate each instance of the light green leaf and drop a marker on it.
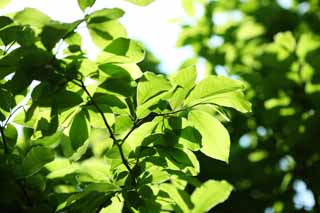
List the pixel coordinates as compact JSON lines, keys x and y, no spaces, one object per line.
{"x":51,"y":140}
{"x":285,"y":40}
{"x":140,"y":2}
{"x":35,"y":159}
{"x":215,"y":137}
{"x":185,"y":77}
{"x":102,"y":33}
{"x":181,"y":198}
{"x":33,"y":17}
{"x":4,"y":3}
{"x":307,"y":43}
{"x":101,"y":187}
{"x":119,"y":70}
{"x":234,"y":100}
{"x":188,"y":6}
{"x":124,"y":50}
{"x":138,"y":135}
{"x":83,"y":4}
{"x":79,"y":130}
{"x":104,"y":15}
{"x":150,"y":86}
{"x":209,"y":194}
{"x":213,"y":85}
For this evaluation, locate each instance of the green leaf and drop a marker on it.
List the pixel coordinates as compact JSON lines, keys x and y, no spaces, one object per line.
{"x":4,"y":21}
{"x":209,"y":194}
{"x":234,"y":100}
{"x":35,"y":159}
{"x":185,"y":77}
{"x":189,"y":7}
{"x":4,"y":3}
{"x":51,"y":140}
{"x":33,"y":17}
{"x":215,"y":137}
{"x":180,"y":197}
{"x":124,"y":50}
{"x":104,"y":29}
{"x":210,"y":86}
{"x":83,"y":4}
{"x":140,"y":2}
{"x":119,"y":70}
{"x":104,"y":15}
{"x":11,"y":135}
{"x":286,"y":40}
{"x":150,"y":86}
{"x":7,"y":101}
{"x":101,"y":187}
{"x":79,"y":130}
{"x":138,"y":135}
{"x":53,"y":32}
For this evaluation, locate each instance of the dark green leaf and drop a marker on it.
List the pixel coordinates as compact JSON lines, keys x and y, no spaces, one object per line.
{"x":79,"y":130}
{"x":35,"y":159}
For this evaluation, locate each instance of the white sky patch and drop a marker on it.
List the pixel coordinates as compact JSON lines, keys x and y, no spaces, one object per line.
{"x":149,"y":25}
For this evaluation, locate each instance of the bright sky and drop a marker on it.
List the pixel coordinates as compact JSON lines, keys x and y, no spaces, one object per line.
{"x":148,"y":24}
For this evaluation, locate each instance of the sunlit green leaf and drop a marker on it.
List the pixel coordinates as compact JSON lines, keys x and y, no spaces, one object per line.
{"x":210,"y":86}
{"x":140,"y":2}
{"x":33,"y":17}
{"x":150,"y":86}
{"x":215,"y":137}
{"x":83,"y":4}
{"x":124,"y":50}
{"x":209,"y":194}
{"x":3,"y":3}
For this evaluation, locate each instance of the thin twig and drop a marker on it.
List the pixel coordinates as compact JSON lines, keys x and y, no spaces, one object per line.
{"x":11,"y":114}
{"x":124,"y":160}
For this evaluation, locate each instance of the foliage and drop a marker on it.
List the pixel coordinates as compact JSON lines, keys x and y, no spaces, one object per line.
{"x":274,"y":48}
{"x":102,"y":136}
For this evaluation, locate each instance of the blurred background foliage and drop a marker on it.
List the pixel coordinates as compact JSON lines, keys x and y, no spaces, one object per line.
{"x":274,"y":47}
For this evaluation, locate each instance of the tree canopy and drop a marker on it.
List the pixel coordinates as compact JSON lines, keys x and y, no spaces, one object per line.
{"x":273,"y":46}
{"x":81,"y":135}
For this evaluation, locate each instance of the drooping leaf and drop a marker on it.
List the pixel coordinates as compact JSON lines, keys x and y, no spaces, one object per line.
{"x":215,"y":137}
{"x":35,"y":159}
{"x":83,"y":4}
{"x":209,"y":194}
{"x":79,"y":130}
